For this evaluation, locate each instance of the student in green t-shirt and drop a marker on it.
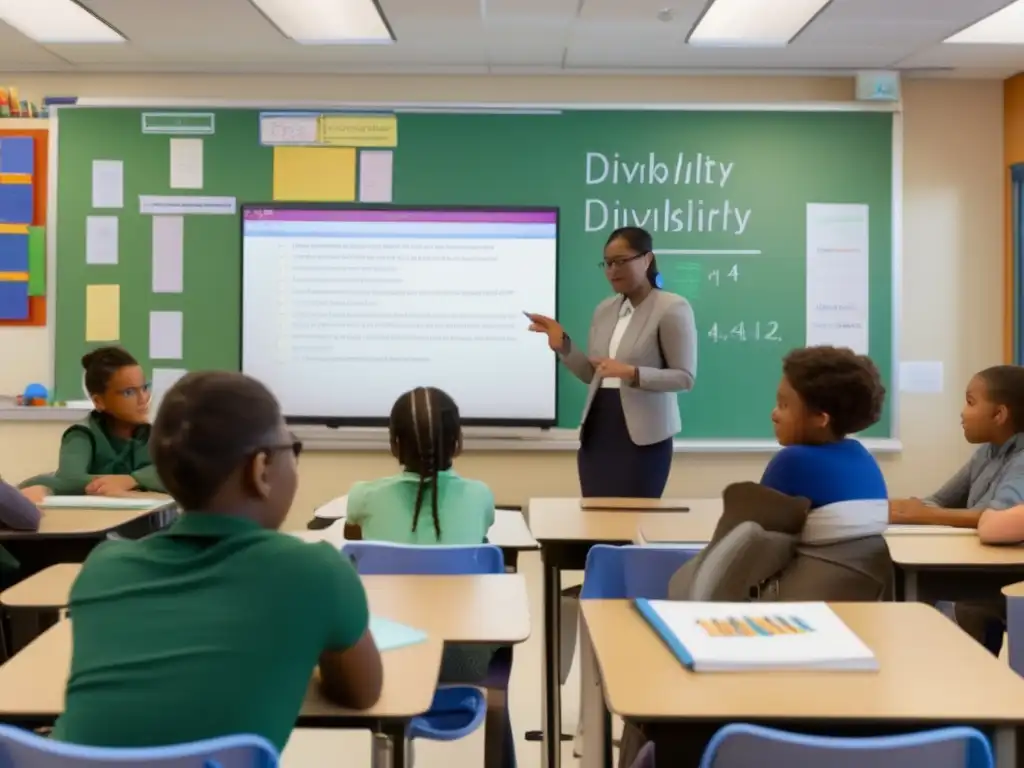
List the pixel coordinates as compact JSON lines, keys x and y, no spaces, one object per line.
{"x":214,"y":625}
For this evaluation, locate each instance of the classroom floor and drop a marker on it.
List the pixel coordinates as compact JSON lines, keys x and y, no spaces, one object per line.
{"x":323,"y":748}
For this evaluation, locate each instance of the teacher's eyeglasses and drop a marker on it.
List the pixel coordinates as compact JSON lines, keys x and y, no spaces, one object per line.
{"x":609,"y":264}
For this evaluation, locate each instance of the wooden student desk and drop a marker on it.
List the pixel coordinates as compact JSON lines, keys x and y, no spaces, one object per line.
{"x":478,"y":609}
{"x":931,"y":675}
{"x":566,"y":533}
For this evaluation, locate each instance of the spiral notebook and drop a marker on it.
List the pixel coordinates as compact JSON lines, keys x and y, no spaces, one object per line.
{"x":747,"y":637}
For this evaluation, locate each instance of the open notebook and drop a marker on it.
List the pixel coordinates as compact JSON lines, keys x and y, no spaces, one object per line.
{"x":746,"y":637}
{"x":390,"y":635}
{"x":102,"y":502}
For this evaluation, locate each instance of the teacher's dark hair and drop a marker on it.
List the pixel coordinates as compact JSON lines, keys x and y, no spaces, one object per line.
{"x":639,"y":240}
{"x":427,"y":432}
{"x":839,"y":382}
{"x":100,"y":366}
{"x":209,"y":424}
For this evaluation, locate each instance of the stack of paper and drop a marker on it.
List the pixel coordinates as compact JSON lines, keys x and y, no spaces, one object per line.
{"x":390,"y":635}
{"x":743,"y":637}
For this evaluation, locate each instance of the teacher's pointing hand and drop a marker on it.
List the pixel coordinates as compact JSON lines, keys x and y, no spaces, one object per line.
{"x":550,"y":326}
{"x":610,"y":368}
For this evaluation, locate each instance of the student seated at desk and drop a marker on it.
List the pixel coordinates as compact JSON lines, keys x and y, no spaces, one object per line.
{"x":214,"y":625}
{"x":426,"y":503}
{"x":985,"y":488}
{"x":826,"y":394}
{"x":107,"y":453}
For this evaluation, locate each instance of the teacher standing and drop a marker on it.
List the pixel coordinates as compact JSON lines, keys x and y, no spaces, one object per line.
{"x":642,"y":350}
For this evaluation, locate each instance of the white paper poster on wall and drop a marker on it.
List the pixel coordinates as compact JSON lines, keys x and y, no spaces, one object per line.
{"x":107,"y":184}
{"x":165,"y":335}
{"x":101,"y":240}
{"x":168,"y":254}
{"x":163,"y":380}
{"x":838,"y":280}
{"x":186,"y":163}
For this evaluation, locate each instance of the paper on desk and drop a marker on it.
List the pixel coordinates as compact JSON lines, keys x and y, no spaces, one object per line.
{"x":335,"y":509}
{"x":101,"y":502}
{"x":390,"y":635}
{"x":186,"y":163}
{"x":101,"y":245}
{"x":107,"y":184}
{"x":332,"y":534}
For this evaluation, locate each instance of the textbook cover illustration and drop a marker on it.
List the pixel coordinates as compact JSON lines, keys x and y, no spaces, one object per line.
{"x":736,"y":637}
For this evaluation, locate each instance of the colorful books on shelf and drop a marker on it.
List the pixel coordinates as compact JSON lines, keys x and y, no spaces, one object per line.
{"x":750,"y":637}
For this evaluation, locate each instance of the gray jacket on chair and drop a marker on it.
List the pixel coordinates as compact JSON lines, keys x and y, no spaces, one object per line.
{"x":661,"y":341}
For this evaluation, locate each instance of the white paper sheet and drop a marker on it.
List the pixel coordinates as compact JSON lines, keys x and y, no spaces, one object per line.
{"x":107,"y":184}
{"x":375,"y":176}
{"x":165,"y":331}
{"x":101,"y":240}
{"x":335,"y":509}
{"x":289,"y":129}
{"x":186,"y":163}
{"x":177,"y":205}
{"x":923,"y":377}
{"x":837,"y":275}
{"x":100,"y":502}
{"x":168,"y":254}
{"x":163,"y":380}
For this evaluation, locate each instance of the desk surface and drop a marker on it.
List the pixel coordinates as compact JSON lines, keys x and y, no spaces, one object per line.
{"x":32,"y":682}
{"x":49,"y":588}
{"x":562,"y":520}
{"x":72,"y":522}
{"x":929,"y":670}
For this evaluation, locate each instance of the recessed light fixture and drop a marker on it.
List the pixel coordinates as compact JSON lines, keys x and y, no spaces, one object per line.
{"x":754,"y":23}
{"x":1005,"y":26}
{"x":57,"y":21}
{"x":327,"y":22}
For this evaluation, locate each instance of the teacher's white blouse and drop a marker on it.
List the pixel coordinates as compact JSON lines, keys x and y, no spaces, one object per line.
{"x":625,"y":315}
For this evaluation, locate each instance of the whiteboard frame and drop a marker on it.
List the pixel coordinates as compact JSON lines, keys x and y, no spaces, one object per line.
{"x":498,"y":439}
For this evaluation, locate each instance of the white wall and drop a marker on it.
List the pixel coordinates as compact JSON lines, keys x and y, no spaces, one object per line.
{"x":952,"y":258}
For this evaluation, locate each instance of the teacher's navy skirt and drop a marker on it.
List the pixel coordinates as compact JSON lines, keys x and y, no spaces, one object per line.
{"x":610,"y":464}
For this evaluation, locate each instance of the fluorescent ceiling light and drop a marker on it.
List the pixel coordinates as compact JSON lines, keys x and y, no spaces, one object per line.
{"x":1005,"y":26}
{"x":57,"y":21}
{"x":327,"y":22}
{"x":754,"y":23}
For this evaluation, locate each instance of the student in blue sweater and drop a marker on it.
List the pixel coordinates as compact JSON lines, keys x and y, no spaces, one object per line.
{"x":827,"y":394}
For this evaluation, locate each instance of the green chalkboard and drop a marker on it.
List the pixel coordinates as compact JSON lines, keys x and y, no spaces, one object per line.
{"x":725,"y":194}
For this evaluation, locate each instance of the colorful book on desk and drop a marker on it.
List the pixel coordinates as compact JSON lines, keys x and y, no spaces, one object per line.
{"x":749,"y":637}
{"x":390,"y":635}
{"x":102,"y":502}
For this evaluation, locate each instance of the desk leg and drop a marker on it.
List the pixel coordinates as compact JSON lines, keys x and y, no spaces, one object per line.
{"x":390,"y":747}
{"x":552,"y":736}
{"x":597,"y":744}
{"x":1006,"y":747}
{"x":909,"y":585}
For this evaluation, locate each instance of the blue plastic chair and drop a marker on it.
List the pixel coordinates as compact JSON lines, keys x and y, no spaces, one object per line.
{"x":22,"y":749}
{"x":456,"y":711}
{"x":752,"y":746}
{"x":625,"y":573}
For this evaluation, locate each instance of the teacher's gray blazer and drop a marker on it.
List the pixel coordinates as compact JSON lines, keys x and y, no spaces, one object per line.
{"x":660,"y":340}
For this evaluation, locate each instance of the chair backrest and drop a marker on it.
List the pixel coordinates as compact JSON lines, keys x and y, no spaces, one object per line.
{"x":375,"y":558}
{"x":22,"y":749}
{"x":751,"y":746}
{"x":617,"y":573}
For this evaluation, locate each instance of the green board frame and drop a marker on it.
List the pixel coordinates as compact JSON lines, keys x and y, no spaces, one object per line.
{"x":750,"y":307}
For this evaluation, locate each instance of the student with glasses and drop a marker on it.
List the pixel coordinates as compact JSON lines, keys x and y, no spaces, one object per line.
{"x":214,"y":625}
{"x":641,"y":351}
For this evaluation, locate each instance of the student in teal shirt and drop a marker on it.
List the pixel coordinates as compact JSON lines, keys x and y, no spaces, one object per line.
{"x":107,"y":453}
{"x":428,"y":503}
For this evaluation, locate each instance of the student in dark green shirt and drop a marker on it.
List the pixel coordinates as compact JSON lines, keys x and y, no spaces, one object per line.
{"x":107,"y":453}
{"x":214,"y":626}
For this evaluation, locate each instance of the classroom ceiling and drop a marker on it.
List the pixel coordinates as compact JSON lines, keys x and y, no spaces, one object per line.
{"x":523,"y":36}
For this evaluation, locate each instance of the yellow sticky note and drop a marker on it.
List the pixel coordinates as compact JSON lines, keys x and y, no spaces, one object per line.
{"x":102,"y":312}
{"x":359,"y":130}
{"x":14,"y":229}
{"x":315,"y":174}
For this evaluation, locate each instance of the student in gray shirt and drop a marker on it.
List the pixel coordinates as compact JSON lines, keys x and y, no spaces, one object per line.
{"x":992,"y":481}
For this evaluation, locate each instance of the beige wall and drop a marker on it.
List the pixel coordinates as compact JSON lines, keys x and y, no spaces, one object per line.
{"x":952,"y":258}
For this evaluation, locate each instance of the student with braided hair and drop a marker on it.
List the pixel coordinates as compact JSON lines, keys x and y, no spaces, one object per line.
{"x":426,"y":503}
